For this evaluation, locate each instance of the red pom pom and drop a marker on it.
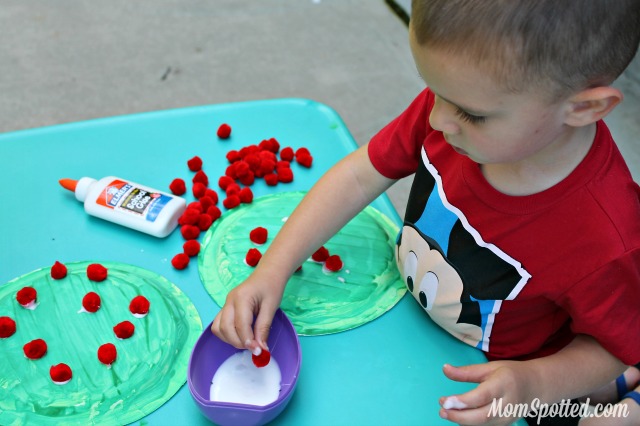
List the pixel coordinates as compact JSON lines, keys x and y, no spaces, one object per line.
{"x":58,"y":271}
{"x":253,"y":257}
{"x":91,"y":302}
{"x":96,"y":272}
{"x":261,"y":360}
{"x":248,"y":179}
{"x":253,"y":161}
{"x":195,"y":164}
{"x":287,"y":154}
{"x":211,"y":194}
{"x":259,"y":235}
{"x":246,"y":195}
{"x":271,"y":145}
{"x":178,"y":187}
{"x":7,"y":327}
{"x":190,"y":232}
{"x":224,"y":131}
{"x":35,"y":349}
{"x":60,"y":373}
{"x":233,"y":189}
{"x":195,"y":205}
{"x":198,"y":189}
{"x":253,"y":149}
{"x":320,"y":255}
{"x":268,"y":156}
{"x":302,"y":152}
{"x":285,"y":175}
{"x":231,"y":202}
{"x":107,"y":353}
{"x":26,"y":296}
{"x":249,"y":150}
{"x":139,"y":305}
{"x":224,"y":182}
{"x":274,"y":145}
{"x":231,"y":172}
{"x":191,"y":248}
{"x":267,"y":166}
{"x":124,"y":330}
{"x":206,"y":202}
{"x":333,"y":263}
{"x":271,"y":179}
{"x":241,"y":168}
{"x":204,"y":222}
{"x":233,"y":156}
{"x":304,"y":160}
{"x":201,"y":177}
{"x":283,"y":165}
{"x":189,"y":217}
{"x":180,"y":261}
{"x":214,"y":212}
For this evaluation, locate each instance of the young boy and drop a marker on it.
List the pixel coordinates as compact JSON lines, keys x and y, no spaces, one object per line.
{"x":522,"y":231}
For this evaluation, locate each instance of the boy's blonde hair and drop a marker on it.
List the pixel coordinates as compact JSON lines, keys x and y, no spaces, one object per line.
{"x":557,"y":46}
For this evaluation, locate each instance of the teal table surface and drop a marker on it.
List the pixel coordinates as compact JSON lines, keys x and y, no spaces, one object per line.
{"x":388,"y":371}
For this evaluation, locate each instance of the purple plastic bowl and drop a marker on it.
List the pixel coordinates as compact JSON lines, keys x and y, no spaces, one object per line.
{"x":210,"y":352}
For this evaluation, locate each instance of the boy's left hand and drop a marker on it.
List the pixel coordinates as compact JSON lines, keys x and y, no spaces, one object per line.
{"x":506,"y":380}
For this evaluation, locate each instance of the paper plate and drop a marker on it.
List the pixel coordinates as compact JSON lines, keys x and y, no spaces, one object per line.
{"x":150,"y":366}
{"x":317,"y":302}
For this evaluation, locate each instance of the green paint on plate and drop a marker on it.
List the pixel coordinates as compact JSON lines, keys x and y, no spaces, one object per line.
{"x":316,"y":301}
{"x":150,"y":367}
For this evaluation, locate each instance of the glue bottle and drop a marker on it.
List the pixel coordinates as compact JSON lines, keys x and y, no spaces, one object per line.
{"x":129,"y":204}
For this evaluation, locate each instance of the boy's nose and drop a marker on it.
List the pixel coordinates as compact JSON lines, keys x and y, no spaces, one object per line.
{"x":443,"y":117}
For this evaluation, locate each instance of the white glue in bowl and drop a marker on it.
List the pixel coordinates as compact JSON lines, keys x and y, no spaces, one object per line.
{"x":210,"y":352}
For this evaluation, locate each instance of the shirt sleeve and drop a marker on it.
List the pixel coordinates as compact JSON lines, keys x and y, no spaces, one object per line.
{"x":604,"y":305}
{"x":395,"y":150}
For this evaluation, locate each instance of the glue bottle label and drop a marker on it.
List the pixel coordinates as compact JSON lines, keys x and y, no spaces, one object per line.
{"x":122,"y":196}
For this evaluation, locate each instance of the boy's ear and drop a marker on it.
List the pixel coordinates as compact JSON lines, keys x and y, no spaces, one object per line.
{"x":591,"y":105}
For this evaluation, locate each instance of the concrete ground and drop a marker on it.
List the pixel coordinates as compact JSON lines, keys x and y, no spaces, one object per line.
{"x":74,"y":60}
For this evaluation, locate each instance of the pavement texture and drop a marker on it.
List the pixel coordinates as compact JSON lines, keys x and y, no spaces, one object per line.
{"x":73,"y":60}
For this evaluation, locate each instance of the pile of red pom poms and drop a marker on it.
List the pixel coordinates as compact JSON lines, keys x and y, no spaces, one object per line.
{"x":262,"y":161}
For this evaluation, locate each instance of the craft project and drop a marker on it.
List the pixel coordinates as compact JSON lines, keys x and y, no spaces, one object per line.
{"x":317,"y":301}
{"x":66,"y":364}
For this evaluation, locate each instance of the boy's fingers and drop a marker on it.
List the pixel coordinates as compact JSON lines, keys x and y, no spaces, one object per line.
{"x":263,"y":323}
{"x":475,"y":416}
{"x":227,"y":328}
{"x":215,"y":325}
{"x":475,"y":398}
{"x":242,"y":325}
{"x":483,"y":396}
{"x":471,"y":408}
{"x":469,"y":373}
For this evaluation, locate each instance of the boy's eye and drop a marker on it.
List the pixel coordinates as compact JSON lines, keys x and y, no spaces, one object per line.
{"x":469,"y":118}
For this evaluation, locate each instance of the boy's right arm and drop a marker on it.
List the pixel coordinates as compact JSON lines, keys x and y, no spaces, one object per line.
{"x":336,"y":198}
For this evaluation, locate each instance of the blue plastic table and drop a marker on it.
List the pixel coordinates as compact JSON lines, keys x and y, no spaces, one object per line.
{"x":386,"y":372}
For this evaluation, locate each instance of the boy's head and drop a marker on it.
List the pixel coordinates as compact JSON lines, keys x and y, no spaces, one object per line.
{"x":557,"y":46}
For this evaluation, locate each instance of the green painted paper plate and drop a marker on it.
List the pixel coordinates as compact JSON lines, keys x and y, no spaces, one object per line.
{"x":317,"y":301}
{"x":150,"y":366}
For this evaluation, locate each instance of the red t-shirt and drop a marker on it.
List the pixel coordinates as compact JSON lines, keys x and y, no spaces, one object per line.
{"x":517,"y":276}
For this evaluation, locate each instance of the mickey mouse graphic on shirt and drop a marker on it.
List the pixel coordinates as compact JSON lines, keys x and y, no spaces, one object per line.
{"x":459,"y":279}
